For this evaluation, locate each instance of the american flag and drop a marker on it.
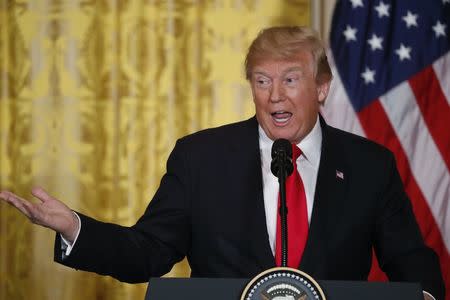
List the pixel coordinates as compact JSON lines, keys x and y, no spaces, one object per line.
{"x":391,"y":67}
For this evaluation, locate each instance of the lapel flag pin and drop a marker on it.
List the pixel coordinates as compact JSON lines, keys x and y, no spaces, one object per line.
{"x":339,"y":174}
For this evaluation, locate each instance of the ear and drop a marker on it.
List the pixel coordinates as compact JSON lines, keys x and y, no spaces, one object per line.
{"x":322,"y":91}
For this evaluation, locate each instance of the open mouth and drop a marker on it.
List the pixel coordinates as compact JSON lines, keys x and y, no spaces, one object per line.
{"x":281,"y":117}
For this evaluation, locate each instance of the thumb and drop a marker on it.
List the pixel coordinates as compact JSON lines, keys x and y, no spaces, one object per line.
{"x":41,"y":194}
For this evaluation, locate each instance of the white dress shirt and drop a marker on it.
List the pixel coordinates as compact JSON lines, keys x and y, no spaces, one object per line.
{"x":307,"y":165}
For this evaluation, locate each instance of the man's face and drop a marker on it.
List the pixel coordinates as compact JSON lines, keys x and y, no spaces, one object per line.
{"x":287,"y":97}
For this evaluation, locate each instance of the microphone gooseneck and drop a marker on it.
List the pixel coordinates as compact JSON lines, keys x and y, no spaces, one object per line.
{"x":281,"y":166}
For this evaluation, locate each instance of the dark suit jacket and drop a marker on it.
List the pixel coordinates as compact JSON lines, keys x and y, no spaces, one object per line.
{"x":209,"y":207}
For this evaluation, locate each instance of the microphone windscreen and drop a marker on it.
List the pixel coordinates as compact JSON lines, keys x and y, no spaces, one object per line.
{"x":281,"y":145}
{"x":281,"y":165}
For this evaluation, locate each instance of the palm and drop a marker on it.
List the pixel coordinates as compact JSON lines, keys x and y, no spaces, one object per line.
{"x":49,"y":212}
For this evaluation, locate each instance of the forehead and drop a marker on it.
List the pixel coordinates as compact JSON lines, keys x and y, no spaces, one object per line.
{"x":302,"y":61}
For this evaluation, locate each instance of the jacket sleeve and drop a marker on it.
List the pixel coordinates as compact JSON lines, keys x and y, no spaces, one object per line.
{"x":159,"y":239}
{"x":399,"y":245}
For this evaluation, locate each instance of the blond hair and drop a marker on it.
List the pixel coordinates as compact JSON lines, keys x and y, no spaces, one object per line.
{"x":285,"y":43}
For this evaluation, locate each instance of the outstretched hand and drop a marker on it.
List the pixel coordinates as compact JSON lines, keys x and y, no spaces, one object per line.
{"x":49,"y":212}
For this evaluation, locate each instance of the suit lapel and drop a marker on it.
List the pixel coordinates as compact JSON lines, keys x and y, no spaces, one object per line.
{"x":329,"y":197}
{"x":245,"y":155}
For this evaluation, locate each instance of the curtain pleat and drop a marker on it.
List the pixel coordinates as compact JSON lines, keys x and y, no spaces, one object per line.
{"x":93,"y":95}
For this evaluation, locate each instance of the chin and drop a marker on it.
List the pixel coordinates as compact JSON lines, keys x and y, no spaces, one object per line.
{"x":282,"y":136}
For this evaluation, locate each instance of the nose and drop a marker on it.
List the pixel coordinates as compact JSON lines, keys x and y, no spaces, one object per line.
{"x":277,"y":92}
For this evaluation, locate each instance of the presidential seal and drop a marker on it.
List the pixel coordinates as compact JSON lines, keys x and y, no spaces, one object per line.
{"x":283,"y":284}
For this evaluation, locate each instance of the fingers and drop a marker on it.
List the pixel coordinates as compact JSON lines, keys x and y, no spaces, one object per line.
{"x":21,"y":204}
{"x":50,"y":214}
{"x":41,"y":194}
{"x":31,"y":211}
{"x":11,"y":197}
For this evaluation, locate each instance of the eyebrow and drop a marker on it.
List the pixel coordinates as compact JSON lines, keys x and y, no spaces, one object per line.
{"x":260,"y":73}
{"x":291,"y":69}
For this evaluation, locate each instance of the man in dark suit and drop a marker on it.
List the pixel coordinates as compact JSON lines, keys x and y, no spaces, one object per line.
{"x":217,"y":203}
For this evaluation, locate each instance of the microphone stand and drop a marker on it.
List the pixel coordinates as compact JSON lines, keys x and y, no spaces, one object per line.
{"x":282,"y":174}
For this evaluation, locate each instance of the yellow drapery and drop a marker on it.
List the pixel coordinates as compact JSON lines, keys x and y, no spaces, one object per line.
{"x":93,"y":95}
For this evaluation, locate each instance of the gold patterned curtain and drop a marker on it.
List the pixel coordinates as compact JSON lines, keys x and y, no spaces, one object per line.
{"x":93,"y":95}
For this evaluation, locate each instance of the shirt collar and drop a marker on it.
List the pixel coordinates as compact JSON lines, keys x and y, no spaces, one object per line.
{"x":310,"y":145}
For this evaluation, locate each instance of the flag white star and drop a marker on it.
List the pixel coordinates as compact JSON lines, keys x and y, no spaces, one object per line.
{"x":375,"y":42}
{"x":411,"y":19}
{"x":439,"y":29}
{"x":382,"y":9}
{"x":445,"y":1}
{"x":403,"y":52}
{"x":356,"y":3}
{"x":368,"y":75}
{"x":350,"y":33}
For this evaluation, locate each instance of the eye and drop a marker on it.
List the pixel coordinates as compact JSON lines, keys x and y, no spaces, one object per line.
{"x":290,"y":80}
{"x":262,"y":81}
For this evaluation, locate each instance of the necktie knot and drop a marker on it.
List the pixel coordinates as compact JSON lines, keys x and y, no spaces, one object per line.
{"x":296,"y":152}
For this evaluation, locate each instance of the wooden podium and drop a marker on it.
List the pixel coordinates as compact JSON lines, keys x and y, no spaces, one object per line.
{"x":229,"y":289}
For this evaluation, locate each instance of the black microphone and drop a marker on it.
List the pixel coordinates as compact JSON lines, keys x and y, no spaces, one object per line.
{"x":281,"y":158}
{"x":281,"y":166}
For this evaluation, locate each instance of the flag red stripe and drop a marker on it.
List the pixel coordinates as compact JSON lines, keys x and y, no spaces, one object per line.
{"x":435,"y":109}
{"x":382,"y":132}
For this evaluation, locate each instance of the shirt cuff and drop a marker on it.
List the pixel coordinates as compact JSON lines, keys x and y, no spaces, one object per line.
{"x":425,"y":292}
{"x":66,"y":246}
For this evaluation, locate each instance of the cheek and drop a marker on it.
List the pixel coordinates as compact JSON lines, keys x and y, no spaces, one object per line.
{"x":305,"y":96}
{"x":309,"y":110}
{"x":259,"y":98}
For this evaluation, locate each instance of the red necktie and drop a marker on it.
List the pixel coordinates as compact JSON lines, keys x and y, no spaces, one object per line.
{"x":297,"y":216}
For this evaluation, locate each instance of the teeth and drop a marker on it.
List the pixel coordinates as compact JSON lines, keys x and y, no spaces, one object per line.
{"x":281,"y":116}
{"x":282,"y":120}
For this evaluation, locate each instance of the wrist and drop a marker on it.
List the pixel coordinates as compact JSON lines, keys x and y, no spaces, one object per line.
{"x":72,"y":231}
